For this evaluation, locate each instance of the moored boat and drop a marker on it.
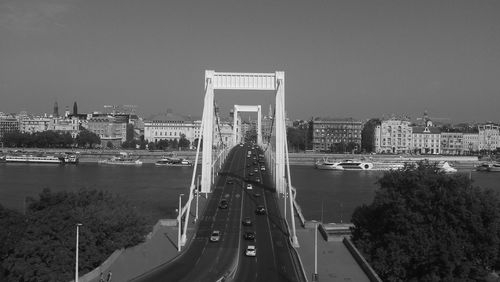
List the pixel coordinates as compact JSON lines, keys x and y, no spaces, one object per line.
{"x":122,"y":159}
{"x":483,"y":166}
{"x":34,"y":158}
{"x":173,"y":161}
{"x":325,"y":164}
{"x":445,"y":167}
{"x":495,"y":167}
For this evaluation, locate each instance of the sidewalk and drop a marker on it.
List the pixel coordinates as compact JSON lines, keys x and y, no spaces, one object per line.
{"x":159,"y":249}
{"x":335,"y":262}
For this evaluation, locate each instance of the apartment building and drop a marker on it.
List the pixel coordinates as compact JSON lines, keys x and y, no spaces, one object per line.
{"x":329,"y":131}
{"x":452,"y":143}
{"x":393,"y":136}
{"x":489,"y":137}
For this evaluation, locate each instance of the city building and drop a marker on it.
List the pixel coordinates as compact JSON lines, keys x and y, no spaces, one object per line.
{"x":426,"y":139}
{"x":8,"y":124}
{"x":489,"y":137}
{"x":452,"y":143}
{"x":393,"y":136}
{"x":30,"y":124}
{"x":109,"y":128}
{"x":64,"y":124}
{"x":170,"y":126}
{"x":470,"y":144}
{"x":327,"y":132}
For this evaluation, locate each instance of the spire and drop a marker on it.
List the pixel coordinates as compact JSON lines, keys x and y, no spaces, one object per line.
{"x":75,"y":109}
{"x":56,"y":109}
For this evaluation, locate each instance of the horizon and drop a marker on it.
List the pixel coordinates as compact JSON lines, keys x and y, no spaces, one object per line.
{"x":359,"y":59}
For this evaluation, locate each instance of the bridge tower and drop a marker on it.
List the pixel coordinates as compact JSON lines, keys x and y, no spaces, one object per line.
{"x":241,"y":108}
{"x":275,"y":152}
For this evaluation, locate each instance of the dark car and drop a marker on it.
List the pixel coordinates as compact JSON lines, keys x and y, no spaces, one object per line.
{"x":229,"y":181}
{"x":223,"y":204}
{"x":247,"y":221}
{"x":250,"y":173}
{"x":260,"y":210}
{"x":249,"y":236}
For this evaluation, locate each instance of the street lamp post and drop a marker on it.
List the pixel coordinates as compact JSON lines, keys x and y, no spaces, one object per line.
{"x":197,"y":196}
{"x":315,"y":274}
{"x":179,"y":219}
{"x":76,"y":255}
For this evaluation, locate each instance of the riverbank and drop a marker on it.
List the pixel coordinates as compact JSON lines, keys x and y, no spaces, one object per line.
{"x":307,"y":159}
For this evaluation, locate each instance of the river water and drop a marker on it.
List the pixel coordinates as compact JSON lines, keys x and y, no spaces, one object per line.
{"x":328,"y":195}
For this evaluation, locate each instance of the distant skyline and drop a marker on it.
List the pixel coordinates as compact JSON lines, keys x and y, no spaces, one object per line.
{"x":359,"y":59}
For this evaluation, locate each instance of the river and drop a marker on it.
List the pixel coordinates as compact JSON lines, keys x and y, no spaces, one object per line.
{"x":328,"y":195}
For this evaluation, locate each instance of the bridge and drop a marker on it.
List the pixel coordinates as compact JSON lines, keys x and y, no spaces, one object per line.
{"x":250,"y":200}
{"x":239,"y":178}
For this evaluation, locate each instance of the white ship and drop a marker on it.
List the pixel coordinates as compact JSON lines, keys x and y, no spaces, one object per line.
{"x":28,"y":158}
{"x":122,"y":159}
{"x":325,"y":164}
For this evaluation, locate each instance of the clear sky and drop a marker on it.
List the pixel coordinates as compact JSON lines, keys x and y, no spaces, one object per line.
{"x":358,"y":59}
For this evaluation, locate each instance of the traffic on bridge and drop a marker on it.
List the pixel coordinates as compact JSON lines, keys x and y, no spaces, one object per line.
{"x":241,"y":235}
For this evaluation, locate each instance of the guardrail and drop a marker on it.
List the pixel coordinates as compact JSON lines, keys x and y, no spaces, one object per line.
{"x":372,"y":275}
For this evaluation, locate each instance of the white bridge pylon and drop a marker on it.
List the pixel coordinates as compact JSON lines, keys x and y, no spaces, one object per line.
{"x":242,"y":108}
{"x":244,"y":81}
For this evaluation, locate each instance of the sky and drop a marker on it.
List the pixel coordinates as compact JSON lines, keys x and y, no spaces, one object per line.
{"x":360,"y":59}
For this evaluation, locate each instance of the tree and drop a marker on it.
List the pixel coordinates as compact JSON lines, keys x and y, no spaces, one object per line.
{"x":424,"y":225}
{"x":130,"y":132}
{"x":296,"y":138}
{"x":251,"y":135}
{"x":87,"y":139}
{"x":183,"y":142}
{"x":368,"y":135}
{"x":13,"y":228}
{"x":109,"y":145}
{"x":45,"y":251}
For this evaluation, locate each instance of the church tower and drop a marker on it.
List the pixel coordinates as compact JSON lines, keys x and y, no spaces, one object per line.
{"x":56,"y":110}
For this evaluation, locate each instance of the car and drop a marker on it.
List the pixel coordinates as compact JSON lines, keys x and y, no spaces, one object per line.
{"x":256,"y":170}
{"x":249,"y":186}
{"x":250,"y":173}
{"x":251,"y":251}
{"x":257,"y":194}
{"x":215,"y":237}
{"x":262,"y":168}
{"x":223,"y":205}
{"x":229,"y":181}
{"x":250,"y":236}
{"x":247,"y":221}
{"x":257,"y":179}
{"x":260,"y":210}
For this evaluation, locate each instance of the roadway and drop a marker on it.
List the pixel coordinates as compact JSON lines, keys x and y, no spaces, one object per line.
{"x":204,"y":260}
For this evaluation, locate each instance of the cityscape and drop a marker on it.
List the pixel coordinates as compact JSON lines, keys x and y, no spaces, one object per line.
{"x":389,"y":135}
{"x":248,"y":141}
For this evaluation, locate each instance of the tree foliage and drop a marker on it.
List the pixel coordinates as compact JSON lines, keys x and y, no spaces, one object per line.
{"x":183,"y":142}
{"x":296,"y":138}
{"x":87,"y":139}
{"x":45,"y":251}
{"x":44,"y":139}
{"x":424,"y":225}
{"x":367,"y":135}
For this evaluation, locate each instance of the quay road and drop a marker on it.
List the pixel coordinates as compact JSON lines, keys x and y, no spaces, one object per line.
{"x":204,"y":260}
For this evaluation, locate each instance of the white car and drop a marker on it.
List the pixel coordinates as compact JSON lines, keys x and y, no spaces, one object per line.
{"x":249,"y":186}
{"x":215,"y":237}
{"x":251,"y":251}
